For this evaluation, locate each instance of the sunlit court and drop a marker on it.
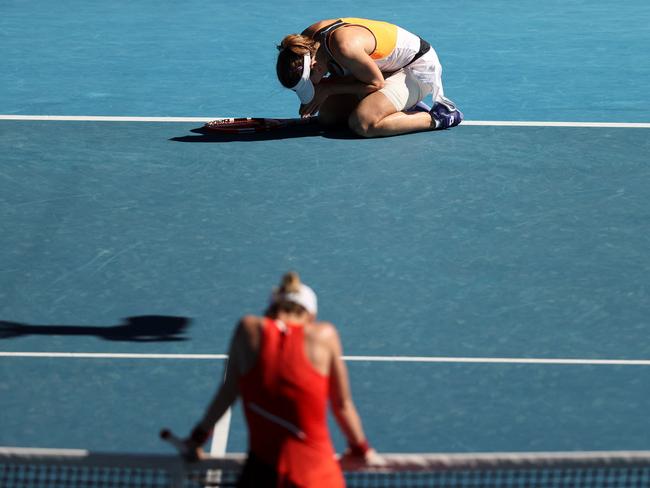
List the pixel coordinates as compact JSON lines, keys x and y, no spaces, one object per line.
{"x":489,"y":281}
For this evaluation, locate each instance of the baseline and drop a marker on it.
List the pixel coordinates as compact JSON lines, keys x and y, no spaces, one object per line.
{"x":490,"y":123}
{"x":387,"y":359}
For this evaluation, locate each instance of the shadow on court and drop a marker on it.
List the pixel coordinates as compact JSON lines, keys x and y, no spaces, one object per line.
{"x":205,"y":135}
{"x":143,"y":328}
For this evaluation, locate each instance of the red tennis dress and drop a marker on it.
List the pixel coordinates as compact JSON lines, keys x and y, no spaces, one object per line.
{"x":285,"y":403}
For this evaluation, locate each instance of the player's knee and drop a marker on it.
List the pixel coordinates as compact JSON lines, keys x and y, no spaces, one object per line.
{"x":362,"y":126}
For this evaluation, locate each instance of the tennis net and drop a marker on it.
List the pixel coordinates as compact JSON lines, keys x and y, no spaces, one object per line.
{"x":54,"y":468}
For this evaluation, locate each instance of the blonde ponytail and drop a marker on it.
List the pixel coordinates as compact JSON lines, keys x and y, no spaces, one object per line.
{"x":290,"y":283}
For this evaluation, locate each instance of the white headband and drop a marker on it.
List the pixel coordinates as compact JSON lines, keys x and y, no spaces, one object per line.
{"x":305,"y":88}
{"x":305,"y":297}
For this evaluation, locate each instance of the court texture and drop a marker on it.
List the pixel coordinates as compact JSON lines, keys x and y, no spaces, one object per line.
{"x":491,"y":283}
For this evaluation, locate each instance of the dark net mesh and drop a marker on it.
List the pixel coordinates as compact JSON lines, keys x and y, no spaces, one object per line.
{"x":38,"y":468}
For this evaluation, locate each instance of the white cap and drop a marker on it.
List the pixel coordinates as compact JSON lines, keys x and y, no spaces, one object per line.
{"x":305,"y":297}
{"x":305,"y":88}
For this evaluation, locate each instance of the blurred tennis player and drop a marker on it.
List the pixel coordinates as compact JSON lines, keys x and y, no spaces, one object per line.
{"x":368,"y":74}
{"x":285,"y":366}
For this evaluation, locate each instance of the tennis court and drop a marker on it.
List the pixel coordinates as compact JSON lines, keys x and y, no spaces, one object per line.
{"x":489,"y":282}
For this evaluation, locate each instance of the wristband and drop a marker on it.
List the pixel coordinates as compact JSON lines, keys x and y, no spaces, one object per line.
{"x":359,"y":449}
{"x":199,"y":436}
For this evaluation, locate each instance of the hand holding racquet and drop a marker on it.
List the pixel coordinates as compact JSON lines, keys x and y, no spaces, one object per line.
{"x":370,"y":459}
{"x":247,"y":125}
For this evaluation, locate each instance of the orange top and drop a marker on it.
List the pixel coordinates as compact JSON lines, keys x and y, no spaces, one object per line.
{"x":385,"y":35}
{"x":285,"y":403}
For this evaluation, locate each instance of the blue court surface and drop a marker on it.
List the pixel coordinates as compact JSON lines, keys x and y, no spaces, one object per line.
{"x":491,"y":283}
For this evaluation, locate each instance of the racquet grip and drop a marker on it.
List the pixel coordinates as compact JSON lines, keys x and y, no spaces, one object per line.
{"x":187,"y":454}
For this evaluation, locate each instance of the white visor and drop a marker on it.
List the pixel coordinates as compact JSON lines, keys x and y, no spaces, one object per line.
{"x":305,"y":88}
{"x":305,"y":297}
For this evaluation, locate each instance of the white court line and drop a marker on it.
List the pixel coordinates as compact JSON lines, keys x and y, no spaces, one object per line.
{"x":532,"y":123}
{"x":383,"y":359}
{"x":102,"y":118}
{"x":109,"y":355}
{"x":500,"y":123}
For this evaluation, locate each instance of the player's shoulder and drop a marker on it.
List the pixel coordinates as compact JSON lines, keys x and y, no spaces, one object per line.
{"x":316,"y":26}
{"x":351,"y":40}
{"x":250,"y":323}
{"x":325,"y":331}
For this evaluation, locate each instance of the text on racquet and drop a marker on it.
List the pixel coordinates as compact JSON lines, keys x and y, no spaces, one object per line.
{"x":242,"y":125}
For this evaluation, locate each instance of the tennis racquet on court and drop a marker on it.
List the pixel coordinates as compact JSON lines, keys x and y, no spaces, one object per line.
{"x":247,"y":125}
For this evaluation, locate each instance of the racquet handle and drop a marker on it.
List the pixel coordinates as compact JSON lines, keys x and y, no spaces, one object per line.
{"x":187,"y":454}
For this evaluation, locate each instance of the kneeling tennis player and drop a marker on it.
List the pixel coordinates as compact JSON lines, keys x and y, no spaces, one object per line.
{"x":368,"y":74}
{"x":285,"y":366}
